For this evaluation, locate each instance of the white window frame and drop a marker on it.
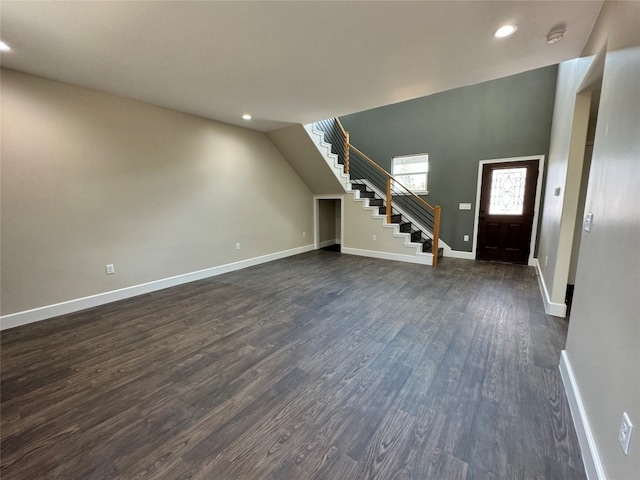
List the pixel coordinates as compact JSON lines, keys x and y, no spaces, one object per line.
{"x":399,"y":175}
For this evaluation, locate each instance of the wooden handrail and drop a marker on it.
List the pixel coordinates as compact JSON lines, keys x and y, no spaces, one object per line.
{"x":409,"y":192}
{"x":373,"y":164}
{"x":344,"y":132}
{"x":388,"y":175}
{"x":390,"y":178}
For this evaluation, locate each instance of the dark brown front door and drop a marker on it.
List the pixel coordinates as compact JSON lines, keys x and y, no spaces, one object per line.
{"x":507,"y":199}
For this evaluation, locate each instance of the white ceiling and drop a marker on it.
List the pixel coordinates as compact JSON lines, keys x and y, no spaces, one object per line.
{"x":287,"y":61}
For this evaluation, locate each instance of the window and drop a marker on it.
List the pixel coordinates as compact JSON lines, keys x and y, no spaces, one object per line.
{"x":412,"y":171}
{"x":507,"y":191}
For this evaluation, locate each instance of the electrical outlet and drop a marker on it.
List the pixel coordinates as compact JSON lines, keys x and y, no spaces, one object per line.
{"x":624,"y":435}
{"x":373,"y":237}
{"x":466,"y":238}
{"x":546,"y":261}
{"x":110,"y":269}
{"x":304,"y":234}
{"x":238,"y":246}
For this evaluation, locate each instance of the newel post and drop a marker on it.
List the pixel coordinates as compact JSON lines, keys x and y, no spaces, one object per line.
{"x":346,"y":153}
{"x":388,"y":200}
{"x":436,"y":234}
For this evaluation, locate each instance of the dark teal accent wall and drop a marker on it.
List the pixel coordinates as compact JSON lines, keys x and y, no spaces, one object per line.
{"x":504,"y":118}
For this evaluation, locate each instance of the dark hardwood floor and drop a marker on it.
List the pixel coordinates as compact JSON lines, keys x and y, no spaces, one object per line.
{"x":318,"y":366}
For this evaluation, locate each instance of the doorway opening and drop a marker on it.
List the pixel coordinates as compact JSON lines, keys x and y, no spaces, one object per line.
{"x":590,"y":96}
{"x":328,"y":213}
{"x":507,"y":208}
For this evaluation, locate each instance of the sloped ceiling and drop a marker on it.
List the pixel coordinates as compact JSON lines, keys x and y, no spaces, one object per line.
{"x":287,"y":61}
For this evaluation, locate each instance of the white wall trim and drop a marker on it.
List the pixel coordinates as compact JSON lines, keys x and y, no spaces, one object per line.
{"x":590,"y":457}
{"x":42,"y":313}
{"x":328,"y":243}
{"x":459,"y":254}
{"x":419,"y":258}
{"x":316,"y":219}
{"x":536,"y":211}
{"x":551,"y":308}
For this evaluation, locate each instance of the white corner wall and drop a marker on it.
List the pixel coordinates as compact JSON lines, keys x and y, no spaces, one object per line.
{"x":601,"y":364}
{"x":90,"y":179}
{"x":559,"y":213}
{"x":603,"y":342}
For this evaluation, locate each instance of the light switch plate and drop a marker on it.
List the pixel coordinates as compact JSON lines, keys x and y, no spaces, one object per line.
{"x":465,"y":206}
{"x":588,"y":221}
{"x":624,"y":436}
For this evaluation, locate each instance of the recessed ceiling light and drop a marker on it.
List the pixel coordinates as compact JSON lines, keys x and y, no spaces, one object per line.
{"x":505,"y":31}
{"x":4,"y":47}
{"x":246,"y":116}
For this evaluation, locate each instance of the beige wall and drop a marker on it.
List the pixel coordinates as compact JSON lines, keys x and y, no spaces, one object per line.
{"x":90,"y":179}
{"x":616,"y":26}
{"x":603,"y":342}
{"x":303,"y":155}
{"x":360,"y":227}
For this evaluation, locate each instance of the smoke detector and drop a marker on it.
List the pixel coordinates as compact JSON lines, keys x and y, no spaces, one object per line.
{"x":556,"y":34}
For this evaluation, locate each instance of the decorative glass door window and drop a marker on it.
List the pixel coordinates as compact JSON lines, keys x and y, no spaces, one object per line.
{"x":507,"y":191}
{"x":412,"y":171}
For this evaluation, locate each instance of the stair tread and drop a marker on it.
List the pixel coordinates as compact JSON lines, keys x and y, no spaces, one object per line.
{"x":416,"y":235}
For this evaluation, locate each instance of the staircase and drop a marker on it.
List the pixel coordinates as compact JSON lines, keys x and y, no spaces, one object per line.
{"x":413,"y":216}
{"x":405,"y":224}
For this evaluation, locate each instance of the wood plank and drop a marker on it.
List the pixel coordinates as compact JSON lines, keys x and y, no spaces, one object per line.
{"x":318,"y":366}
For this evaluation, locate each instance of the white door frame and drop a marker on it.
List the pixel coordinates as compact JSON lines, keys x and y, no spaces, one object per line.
{"x":536,"y":211}
{"x":316,"y":218}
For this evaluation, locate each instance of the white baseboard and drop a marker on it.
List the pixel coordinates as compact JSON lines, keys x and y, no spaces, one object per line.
{"x":328,"y":243}
{"x":42,"y":313}
{"x":422,"y":259}
{"x":590,"y":457}
{"x":459,"y":254}
{"x":551,"y":308}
